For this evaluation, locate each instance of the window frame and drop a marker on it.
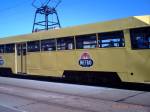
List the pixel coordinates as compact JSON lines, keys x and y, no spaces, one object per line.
{"x":66,"y":43}
{"x":110,"y":37}
{"x":3,"y":48}
{"x":37,"y":50}
{"x":10,"y":50}
{"x":87,"y":42}
{"x":134,"y":41}
{"x":42,"y":43}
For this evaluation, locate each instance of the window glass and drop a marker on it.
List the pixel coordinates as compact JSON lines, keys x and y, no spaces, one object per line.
{"x":1,"y":48}
{"x":18,"y":49}
{"x":24,"y":48}
{"x":33,"y":46}
{"x":86,"y":41}
{"x":65,"y":43}
{"x":10,"y":48}
{"x":48,"y":45}
{"x":111,"y":39}
{"x":140,"y":38}
{"x":21,"y":49}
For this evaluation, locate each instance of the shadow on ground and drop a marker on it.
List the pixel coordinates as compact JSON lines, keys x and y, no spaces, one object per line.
{"x":123,"y":85}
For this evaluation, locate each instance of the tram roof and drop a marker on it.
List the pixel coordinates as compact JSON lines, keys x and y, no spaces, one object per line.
{"x":108,"y":26}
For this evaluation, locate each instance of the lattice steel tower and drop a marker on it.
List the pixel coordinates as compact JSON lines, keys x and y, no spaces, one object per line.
{"x":46,"y":16}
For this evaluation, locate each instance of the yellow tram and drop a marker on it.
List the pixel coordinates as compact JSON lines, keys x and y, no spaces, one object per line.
{"x":117,"y":49}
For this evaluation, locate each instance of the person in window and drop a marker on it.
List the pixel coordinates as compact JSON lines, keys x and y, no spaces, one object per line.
{"x":121,"y":42}
{"x":70,"y":46}
{"x":141,"y":42}
{"x":149,"y":42}
{"x":111,"y":43}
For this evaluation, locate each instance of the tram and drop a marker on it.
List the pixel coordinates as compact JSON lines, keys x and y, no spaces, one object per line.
{"x":117,"y":50}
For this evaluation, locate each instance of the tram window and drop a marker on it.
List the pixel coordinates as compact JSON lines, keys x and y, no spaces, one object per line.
{"x":111,"y":39}
{"x":65,"y":43}
{"x":140,"y":38}
{"x":86,"y":41}
{"x":48,"y":45}
{"x":9,"y":48}
{"x":33,"y":46}
{"x":1,"y":48}
{"x":21,"y":49}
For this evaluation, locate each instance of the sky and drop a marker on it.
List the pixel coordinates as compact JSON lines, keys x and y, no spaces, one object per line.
{"x":16,"y":16}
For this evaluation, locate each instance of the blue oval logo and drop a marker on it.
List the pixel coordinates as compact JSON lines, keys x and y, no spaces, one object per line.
{"x":86,"y":60}
{"x":1,"y":62}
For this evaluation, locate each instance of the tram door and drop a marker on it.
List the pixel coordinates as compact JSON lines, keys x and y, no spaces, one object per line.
{"x":21,"y":58}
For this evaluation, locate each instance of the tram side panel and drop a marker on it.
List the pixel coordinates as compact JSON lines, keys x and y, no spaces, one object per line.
{"x":138,"y":61}
{"x":98,"y":60}
{"x":139,"y":66}
{"x":50,"y":64}
{"x":110,"y":60}
{"x":33,"y":63}
{"x":131,"y":66}
{"x":7,"y":63}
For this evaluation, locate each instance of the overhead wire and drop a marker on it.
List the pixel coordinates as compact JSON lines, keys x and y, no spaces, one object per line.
{"x":42,"y":3}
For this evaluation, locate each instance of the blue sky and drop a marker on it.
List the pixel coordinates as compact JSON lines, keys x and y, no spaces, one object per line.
{"x":16,"y":16}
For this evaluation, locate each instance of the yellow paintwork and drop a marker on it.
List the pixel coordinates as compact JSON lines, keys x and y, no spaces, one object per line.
{"x":10,"y":63}
{"x":124,"y":61}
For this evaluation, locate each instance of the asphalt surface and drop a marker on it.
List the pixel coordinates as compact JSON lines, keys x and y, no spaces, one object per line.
{"x":19,"y":95}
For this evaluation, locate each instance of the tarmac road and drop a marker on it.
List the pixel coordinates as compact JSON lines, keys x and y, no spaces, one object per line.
{"x":19,"y":95}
